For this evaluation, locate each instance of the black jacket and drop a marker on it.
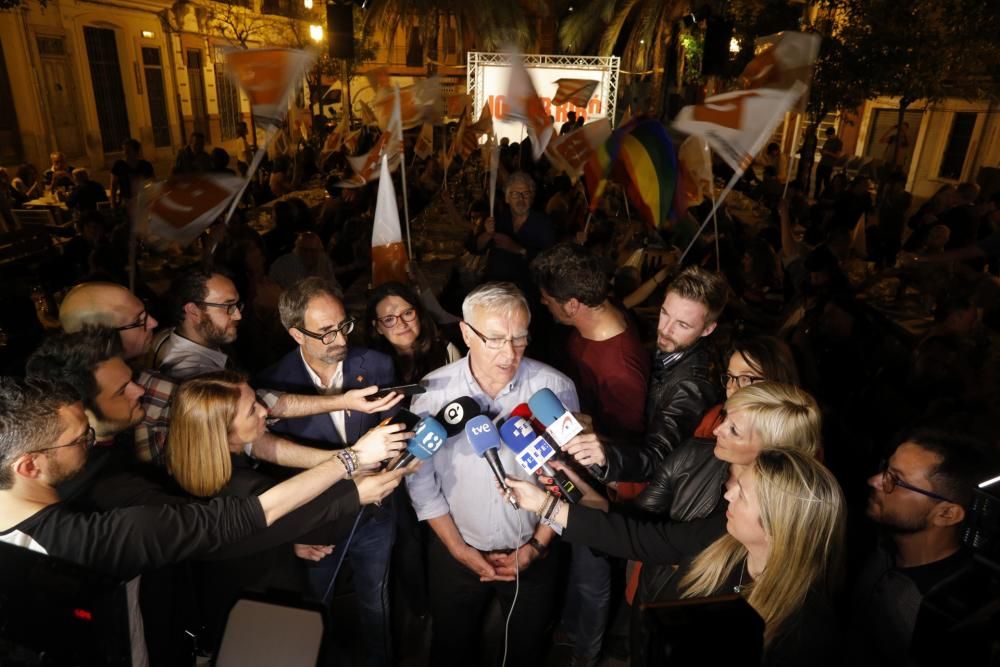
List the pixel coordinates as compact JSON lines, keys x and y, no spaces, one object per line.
{"x":682,"y":390}
{"x":688,"y":482}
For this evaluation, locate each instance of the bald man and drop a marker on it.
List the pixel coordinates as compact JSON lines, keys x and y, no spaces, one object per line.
{"x":109,"y":305}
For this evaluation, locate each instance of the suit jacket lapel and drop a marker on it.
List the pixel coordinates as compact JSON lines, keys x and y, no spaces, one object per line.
{"x":355,"y":377}
{"x":320,"y":424}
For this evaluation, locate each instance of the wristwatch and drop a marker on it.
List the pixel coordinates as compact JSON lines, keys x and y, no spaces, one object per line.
{"x":542,"y":549}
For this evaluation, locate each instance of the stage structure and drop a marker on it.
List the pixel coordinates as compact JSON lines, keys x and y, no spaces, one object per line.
{"x":488,"y":75}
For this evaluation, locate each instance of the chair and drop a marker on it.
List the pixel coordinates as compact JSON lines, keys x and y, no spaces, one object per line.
{"x":34,"y":217}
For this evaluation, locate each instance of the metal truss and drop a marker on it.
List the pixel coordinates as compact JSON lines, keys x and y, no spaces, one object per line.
{"x":611,"y":64}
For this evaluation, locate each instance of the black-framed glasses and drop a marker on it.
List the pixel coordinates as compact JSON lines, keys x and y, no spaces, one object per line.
{"x":497,"y":343}
{"x":139,"y":322}
{"x":230,"y":307}
{"x":328,"y":337}
{"x":740,"y":381}
{"x":891,"y":480}
{"x":390,"y":321}
{"x":88,"y":439}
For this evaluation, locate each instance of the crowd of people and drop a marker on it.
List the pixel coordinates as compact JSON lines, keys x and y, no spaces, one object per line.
{"x":755,"y":422}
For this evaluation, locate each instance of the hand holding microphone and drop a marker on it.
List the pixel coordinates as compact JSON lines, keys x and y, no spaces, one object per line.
{"x":528,"y":495}
{"x":485,"y":440}
{"x":533,"y":453}
{"x":587,"y":450}
{"x":566,"y":431}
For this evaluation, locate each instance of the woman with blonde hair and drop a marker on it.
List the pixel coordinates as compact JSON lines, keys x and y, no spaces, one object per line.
{"x":212,"y":419}
{"x":780,"y":548}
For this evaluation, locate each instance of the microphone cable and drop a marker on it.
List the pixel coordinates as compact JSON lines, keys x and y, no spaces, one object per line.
{"x":517,"y":587}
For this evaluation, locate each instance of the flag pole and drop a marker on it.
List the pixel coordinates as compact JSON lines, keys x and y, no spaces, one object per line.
{"x":793,"y":162}
{"x":715,"y":206}
{"x":715,"y":222}
{"x":402,"y":167}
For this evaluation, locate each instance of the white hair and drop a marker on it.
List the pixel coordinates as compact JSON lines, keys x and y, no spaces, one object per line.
{"x":520,"y":177}
{"x":503,"y":298}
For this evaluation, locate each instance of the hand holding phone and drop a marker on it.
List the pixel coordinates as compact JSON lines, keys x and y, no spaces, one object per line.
{"x":403,"y":389}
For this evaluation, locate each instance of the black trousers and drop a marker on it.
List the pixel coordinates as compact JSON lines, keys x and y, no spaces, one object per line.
{"x":459,"y":603}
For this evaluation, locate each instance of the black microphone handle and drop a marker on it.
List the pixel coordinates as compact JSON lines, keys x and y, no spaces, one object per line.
{"x":493,"y":458}
{"x":593,"y":468}
{"x":567,"y":488}
{"x":402,"y":461}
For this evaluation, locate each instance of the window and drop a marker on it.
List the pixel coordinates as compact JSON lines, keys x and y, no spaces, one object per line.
{"x":229,"y":99}
{"x":957,"y":147}
{"x":51,"y":46}
{"x":109,"y":94}
{"x":289,"y":8}
{"x":156,"y":93}
{"x":10,"y":135}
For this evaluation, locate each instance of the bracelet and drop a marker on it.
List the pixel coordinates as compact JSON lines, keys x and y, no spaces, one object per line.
{"x":552,"y":509}
{"x":542,"y":549}
{"x":546,"y":507}
{"x":354,"y":458}
{"x":348,"y":461}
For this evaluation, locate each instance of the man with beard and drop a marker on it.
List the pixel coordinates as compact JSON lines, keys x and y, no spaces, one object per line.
{"x":313,"y":313}
{"x":208,"y":310}
{"x":918,"y":501}
{"x":682,"y":386}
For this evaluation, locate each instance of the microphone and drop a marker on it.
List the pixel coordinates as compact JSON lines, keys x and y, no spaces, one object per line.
{"x":456,"y":414}
{"x":483,"y":437}
{"x":559,"y":422}
{"x":522,"y":410}
{"x":533,"y":453}
{"x":427,"y":438}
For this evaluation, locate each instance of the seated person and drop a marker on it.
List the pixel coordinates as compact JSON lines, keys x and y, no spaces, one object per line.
{"x":86,"y":194}
{"x":59,"y":166}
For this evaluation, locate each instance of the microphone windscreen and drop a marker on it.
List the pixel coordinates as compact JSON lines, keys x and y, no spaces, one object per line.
{"x":517,"y":434}
{"x":456,"y":414}
{"x":482,"y":434}
{"x":406,"y":418}
{"x":546,"y":407}
{"x":427,"y":438}
{"x":522,"y":410}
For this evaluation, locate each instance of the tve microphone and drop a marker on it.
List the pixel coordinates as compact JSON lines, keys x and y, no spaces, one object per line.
{"x":483,"y":437}
{"x":559,"y":422}
{"x":533,"y":453}
{"x":427,"y":438}
{"x":456,"y":414}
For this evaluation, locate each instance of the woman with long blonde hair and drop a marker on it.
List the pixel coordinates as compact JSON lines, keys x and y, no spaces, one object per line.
{"x":781,"y":548}
{"x":212,"y":419}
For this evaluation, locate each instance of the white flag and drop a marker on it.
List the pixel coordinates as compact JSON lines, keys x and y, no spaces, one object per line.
{"x":388,"y":253}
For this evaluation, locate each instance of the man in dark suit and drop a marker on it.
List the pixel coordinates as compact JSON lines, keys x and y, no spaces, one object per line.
{"x":314,"y":315}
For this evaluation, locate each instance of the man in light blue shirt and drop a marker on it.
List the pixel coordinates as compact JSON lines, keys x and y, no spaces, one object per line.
{"x":480,"y":542}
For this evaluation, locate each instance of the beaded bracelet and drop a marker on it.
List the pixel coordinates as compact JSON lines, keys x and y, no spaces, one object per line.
{"x":348,"y":461}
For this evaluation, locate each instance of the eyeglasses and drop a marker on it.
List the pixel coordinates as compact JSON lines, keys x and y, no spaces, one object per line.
{"x":329,"y":336}
{"x":891,"y":480}
{"x":88,"y":439}
{"x":517,"y":342}
{"x":139,"y":322}
{"x":740,"y":380}
{"x":515,"y":195}
{"x":390,"y":321}
{"x":230,"y":307}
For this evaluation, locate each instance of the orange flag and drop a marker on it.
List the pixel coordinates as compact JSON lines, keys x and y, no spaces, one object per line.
{"x":576,"y":91}
{"x":268,"y":77}
{"x":425,"y":142}
{"x":179,"y":209}
{"x":524,"y":105}
{"x":367,"y":115}
{"x":485,"y":123}
{"x":420,"y":102}
{"x":570,"y":152}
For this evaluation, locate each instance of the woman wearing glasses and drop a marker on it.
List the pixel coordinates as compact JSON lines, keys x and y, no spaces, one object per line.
{"x":401,"y":327}
{"x":212,"y":418}
{"x":778,"y":543}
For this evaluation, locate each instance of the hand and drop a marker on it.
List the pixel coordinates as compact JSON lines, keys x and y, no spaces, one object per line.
{"x":591,"y":498}
{"x":506,"y":565}
{"x":312,"y":551}
{"x":381,"y":443}
{"x":357,"y":399}
{"x":374,"y":488}
{"x":527,"y":494}
{"x":587,"y":450}
{"x":475,"y":561}
{"x":490,"y":226}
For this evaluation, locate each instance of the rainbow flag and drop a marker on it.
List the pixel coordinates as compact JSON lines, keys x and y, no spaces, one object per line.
{"x":641,"y":154}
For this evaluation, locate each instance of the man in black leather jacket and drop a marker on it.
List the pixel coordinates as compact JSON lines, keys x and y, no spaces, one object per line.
{"x":682,"y":388}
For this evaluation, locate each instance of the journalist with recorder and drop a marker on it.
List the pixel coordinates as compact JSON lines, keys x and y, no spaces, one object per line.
{"x":481,"y":543}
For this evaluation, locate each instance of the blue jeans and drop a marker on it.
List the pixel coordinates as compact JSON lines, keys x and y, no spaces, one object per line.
{"x":588,"y":600}
{"x":369,"y":554}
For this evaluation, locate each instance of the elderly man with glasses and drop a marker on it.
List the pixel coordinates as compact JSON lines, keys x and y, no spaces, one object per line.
{"x":918,"y":500}
{"x":482,"y":547}
{"x":313,"y":313}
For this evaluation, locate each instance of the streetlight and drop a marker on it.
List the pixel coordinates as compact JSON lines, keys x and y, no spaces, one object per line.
{"x":316,"y":33}
{"x":308,"y":4}
{"x":734,"y":45}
